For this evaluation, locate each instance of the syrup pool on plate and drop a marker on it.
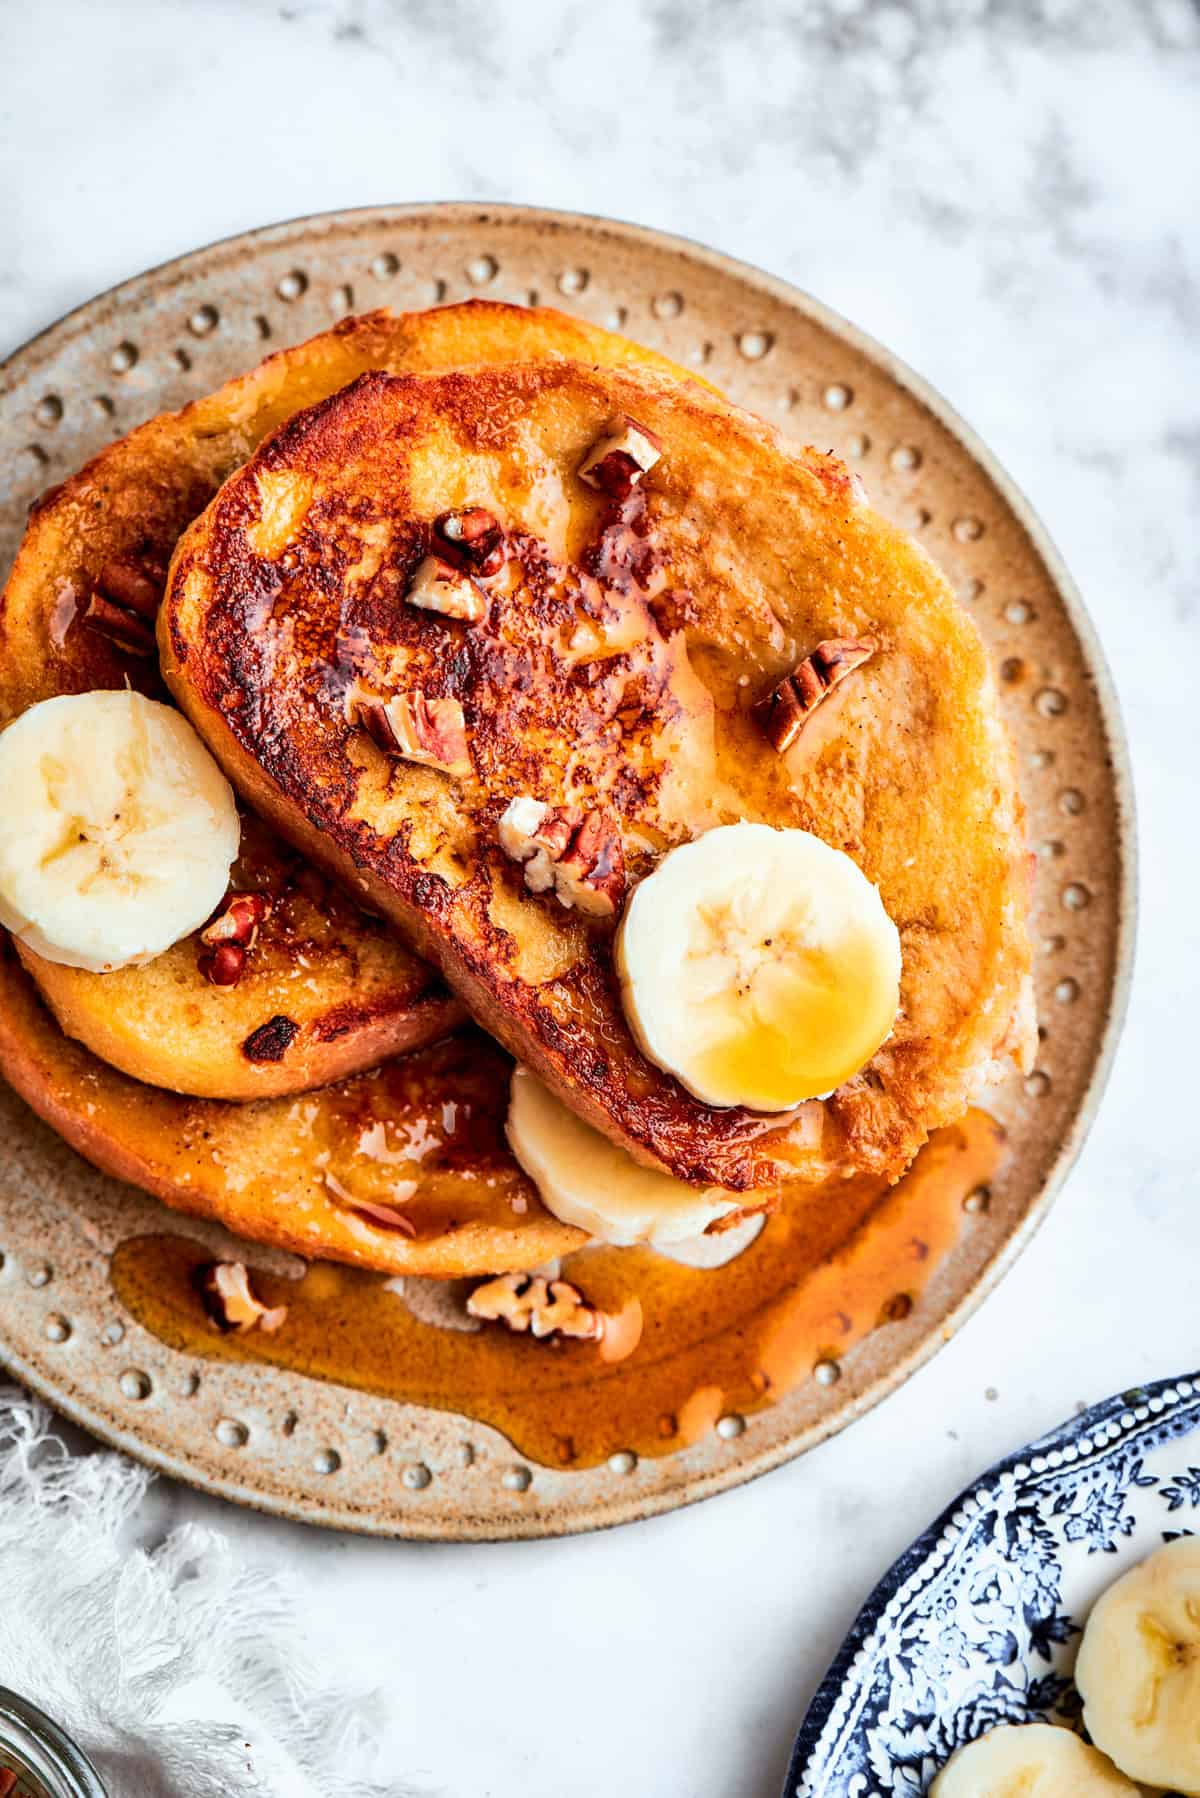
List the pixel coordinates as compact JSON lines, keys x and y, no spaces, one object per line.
{"x":823,"y":1273}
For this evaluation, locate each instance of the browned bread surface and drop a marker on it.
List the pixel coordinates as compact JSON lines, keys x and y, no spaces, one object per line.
{"x":107,"y":534}
{"x":623,"y":648}
{"x":422,"y":1135}
{"x":325,"y":991}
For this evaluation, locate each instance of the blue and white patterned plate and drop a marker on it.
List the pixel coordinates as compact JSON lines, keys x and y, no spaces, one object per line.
{"x":978,"y":1622}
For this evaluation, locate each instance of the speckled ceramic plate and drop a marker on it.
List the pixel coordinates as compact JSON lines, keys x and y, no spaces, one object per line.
{"x":319,"y":1452}
{"x":978,"y":1623}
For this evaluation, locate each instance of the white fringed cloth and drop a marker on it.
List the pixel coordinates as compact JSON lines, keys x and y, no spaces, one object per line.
{"x":180,"y":1671}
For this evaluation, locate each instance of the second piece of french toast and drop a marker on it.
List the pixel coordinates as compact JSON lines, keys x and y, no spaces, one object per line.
{"x":430,"y":597}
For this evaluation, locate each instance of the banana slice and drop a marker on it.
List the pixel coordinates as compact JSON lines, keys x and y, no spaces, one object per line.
{"x":759,"y":967}
{"x":1029,"y":1760}
{"x":1139,"y":1669}
{"x":117,"y":829}
{"x":588,"y":1181}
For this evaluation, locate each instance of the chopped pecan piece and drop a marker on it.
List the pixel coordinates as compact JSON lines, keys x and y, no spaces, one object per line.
{"x":238,"y":920}
{"x":783,"y":714}
{"x":432,"y":732}
{"x":132,"y":585}
{"x":230,"y":1301}
{"x":471,"y":539}
{"x":530,"y":1304}
{"x":230,"y":936}
{"x":384,"y":1217}
{"x":123,"y":606}
{"x":372,"y":1211}
{"x":224,"y":965}
{"x":578,"y":855}
{"x":126,"y":629}
{"x":438,"y":586}
{"x":615,"y":464}
{"x":591,"y":875}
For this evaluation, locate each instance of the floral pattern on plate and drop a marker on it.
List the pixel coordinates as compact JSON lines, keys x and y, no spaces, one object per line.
{"x":979,"y":1621}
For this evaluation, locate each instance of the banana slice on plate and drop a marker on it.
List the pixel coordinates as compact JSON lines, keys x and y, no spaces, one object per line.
{"x":588,"y":1181}
{"x":117,"y":829}
{"x":759,"y":967}
{"x":1030,"y":1760}
{"x":1139,"y":1669}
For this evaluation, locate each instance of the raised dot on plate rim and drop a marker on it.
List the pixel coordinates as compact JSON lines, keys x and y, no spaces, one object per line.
{"x":730,"y":1426}
{"x":754,"y":345}
{"x":624,"y":1461}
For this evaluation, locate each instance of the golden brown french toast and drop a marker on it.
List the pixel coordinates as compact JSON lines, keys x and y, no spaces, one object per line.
{"x":403,"y":1168}
{"x":431,"y":595}
{"x":321,"y":992}
{"x":78,"y":613}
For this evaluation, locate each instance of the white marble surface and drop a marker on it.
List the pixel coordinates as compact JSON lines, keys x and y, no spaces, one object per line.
{"x":1005,"y":194}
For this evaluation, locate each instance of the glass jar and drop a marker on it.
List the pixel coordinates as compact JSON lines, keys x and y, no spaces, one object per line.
{"x":46,"y":1762}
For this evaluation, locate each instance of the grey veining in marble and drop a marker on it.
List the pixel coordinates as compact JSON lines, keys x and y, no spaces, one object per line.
{"x":1004,"y":192}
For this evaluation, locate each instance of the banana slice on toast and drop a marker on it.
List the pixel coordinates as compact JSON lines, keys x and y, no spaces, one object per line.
{"x":78,"y":614}
{"x":705,"y":625}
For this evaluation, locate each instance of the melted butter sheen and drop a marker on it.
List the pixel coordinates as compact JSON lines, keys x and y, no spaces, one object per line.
{"x":823,"y":1274}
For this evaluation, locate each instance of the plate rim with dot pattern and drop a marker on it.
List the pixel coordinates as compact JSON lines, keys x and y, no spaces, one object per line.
{"x":277,"y":285}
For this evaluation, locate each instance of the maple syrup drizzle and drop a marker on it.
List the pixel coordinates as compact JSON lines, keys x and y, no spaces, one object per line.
{"x":823,"y":1273}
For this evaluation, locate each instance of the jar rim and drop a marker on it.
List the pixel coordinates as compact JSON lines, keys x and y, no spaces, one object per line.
{"x":50,"y":1754}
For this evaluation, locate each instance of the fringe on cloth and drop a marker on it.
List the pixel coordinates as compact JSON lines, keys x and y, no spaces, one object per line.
{"x":181,"y":1672}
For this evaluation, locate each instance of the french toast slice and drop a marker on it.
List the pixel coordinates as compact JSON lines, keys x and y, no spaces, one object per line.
{"x":613,"y":670}
{"x":324,"y":992}
{"x":403,"y":1168}
{"x":78,"y":613}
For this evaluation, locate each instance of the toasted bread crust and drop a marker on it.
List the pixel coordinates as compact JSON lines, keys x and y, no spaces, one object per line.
{"x":356,"y":996}
{"x":748,"y":554}
{"x":286,"y":1171}
{"x":343,"y":992}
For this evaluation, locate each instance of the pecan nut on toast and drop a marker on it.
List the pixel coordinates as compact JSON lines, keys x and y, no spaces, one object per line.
{"x":659,"y":564}
{"x":78,"y":613}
